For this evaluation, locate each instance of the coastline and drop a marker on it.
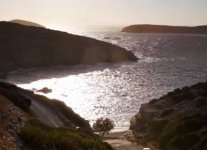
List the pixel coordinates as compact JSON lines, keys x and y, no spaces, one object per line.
{"x":122,"y":140}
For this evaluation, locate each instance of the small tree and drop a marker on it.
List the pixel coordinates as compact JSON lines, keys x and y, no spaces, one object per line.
{"x":103,"y":125}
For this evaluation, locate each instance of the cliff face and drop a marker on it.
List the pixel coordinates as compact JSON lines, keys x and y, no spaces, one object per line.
{"x":27,"y":46}
{"x":176,"y":121}
{"x":165,"y":29}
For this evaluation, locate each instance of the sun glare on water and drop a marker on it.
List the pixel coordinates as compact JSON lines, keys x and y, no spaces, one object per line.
{"x":74,"y":90}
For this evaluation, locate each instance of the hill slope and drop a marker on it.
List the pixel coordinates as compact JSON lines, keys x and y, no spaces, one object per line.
{"x":26,"y":23}
{"x":30,"y":121}
{"x":177,"y":120}
{"x":26,"y":47}
{"x":165,"y":29}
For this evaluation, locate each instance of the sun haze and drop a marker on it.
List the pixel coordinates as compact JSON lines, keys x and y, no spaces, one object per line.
{"x":106,"y":12}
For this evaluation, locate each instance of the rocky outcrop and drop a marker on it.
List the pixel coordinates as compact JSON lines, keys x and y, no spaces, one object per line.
{"x":176,"y":121}
{"x":27,"y":46}
{"x":165,"y":29}
{"x":26,"y":23}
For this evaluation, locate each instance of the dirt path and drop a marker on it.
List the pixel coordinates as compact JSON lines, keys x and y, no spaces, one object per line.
{"x":44,"y":113}
{"x":122,"y":141}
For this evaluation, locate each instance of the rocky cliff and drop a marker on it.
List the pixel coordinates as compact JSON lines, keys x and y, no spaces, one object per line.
{"x":26,"y":46}
{"x":165,"y":29}
{"x":176,"y":121}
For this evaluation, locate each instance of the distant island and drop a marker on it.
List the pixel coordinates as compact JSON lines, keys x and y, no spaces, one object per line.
{"x":29,"y":47}
{"x":27,"y":23}
{"x":164,"y":29}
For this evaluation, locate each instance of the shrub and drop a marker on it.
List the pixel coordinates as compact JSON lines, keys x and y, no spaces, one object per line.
{"x":166,"y":112}
{"x":157,"y":126}
{"x":178,"y":128}
{"x":103,"y":125}
{"x":184,"y":142}
{"x":200,"y":101}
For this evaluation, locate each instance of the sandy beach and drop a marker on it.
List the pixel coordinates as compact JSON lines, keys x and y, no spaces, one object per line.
{"x":122,"y":140}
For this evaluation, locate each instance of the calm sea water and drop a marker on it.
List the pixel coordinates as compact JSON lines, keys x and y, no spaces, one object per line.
{"x":167,"y":61}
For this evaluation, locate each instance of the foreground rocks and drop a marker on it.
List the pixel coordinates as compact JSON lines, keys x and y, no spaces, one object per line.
{"x":28,"y":47}
{"x":176,"y":121}
{"x":11,"y":119}
{"x":165,"y":29}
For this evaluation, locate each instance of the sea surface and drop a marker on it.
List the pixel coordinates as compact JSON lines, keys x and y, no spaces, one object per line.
{"x":166,"y":62}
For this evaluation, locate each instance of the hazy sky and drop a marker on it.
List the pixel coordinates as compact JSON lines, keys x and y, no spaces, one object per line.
{"x":106,"y":12}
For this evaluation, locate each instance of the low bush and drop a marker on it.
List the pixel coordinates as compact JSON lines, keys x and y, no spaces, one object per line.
{"x":183,"y":142}
{"x":200,"y":101}
{"x":178,"y":128}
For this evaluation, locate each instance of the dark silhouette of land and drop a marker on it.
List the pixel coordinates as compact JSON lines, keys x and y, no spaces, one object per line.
{"x":28,"y":47}
{"x":165,"y":29}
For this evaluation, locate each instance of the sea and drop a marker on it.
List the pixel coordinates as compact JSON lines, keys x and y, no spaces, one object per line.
{"x":116,"y":91}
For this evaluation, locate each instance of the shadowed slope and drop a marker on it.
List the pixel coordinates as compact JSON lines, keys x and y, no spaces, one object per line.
{"x":26,"y":47}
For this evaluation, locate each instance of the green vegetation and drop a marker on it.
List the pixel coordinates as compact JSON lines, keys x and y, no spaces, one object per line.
{"x":166,"y":112}
{"x":103,"y":125}
{"x":177,"y":130}
{"x":39,"y":136}
{"x":157,"y":126}
{"x":183,"y":142}
{"x":200,"y":101}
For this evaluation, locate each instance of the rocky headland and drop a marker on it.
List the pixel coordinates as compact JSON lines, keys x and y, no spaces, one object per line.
{"x":176,"y":121}
{"x":30,"y":122}
{"x":28,"y":47}
{"x":164,"y":29}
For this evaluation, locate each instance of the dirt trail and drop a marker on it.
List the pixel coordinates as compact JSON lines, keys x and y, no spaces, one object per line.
{"x":122,"y":141}
{"x":44,"y":113}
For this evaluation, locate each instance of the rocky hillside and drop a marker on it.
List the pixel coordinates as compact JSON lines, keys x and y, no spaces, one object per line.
{"x":30,"y":122}
{"x":27,"y":46}
{"x":176,"y":121}
{"x":165,"y":29}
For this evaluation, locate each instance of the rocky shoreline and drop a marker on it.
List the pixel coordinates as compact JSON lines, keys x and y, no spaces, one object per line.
{"x":176,"y":121}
